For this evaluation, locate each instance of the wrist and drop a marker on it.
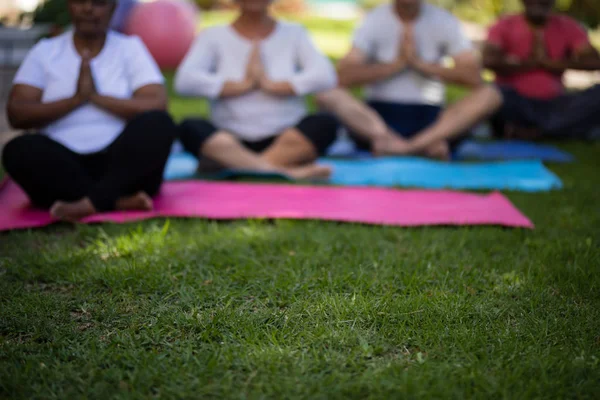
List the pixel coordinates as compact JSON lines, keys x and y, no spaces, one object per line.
{"x":422,"y":67}
{"x":248,"y":84}
{"x":399,"y":66}
{"x":552,"y":66}
{"x":266,"y":85}
{"x":95,"y":97}
{"x":78,"y":100}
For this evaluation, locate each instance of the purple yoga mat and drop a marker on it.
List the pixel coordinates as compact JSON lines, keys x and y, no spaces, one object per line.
{"x":228,"y":201}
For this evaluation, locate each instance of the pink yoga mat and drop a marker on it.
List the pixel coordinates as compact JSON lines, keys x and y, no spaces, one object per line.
{"x":228,"y":201}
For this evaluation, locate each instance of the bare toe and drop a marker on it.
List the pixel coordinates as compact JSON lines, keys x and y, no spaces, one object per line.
{"x":139,"y":201}
{"x":74,"y":211}
{"x":312,"y":171}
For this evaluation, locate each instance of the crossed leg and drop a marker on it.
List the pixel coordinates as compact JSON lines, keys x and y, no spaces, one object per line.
{"x":226,"y":150}
{"x":73,"y":186}
{"x":480,"y":104}
{"x":369,"y":125}
{"x":291,"y":154}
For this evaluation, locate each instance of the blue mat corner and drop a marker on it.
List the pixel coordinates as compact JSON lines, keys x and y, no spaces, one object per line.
{"x":526,"y":176}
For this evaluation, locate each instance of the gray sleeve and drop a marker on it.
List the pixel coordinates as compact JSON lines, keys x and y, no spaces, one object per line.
{"x":31,"y":71}
{"x":456,"y":41}
{"x":142,"y":68}
{"x":194,"y":76}
{"x":317,"y":73}
{"x":364,"y":35}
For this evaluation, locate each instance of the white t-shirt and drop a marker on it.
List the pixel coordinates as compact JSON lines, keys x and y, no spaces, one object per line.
{"x":220,"y":54}
{"x":437,"y":35}
{"x":123,"y":66}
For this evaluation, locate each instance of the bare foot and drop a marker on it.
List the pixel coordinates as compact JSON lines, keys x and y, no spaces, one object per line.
{"x":439,"y":151}
{"x":311,"y":171}
{"x":139,"y":201}
{"x":74,"y":211}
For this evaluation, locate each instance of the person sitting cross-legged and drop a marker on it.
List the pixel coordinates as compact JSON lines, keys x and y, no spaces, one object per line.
{"x":529,"y":53}
{"x":96,"y":101}
{"x":256,"y":72}
{"x":404,"y":54}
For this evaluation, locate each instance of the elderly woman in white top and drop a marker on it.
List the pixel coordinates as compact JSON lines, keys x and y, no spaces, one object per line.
{"x":256,"y":73}
{"x":97,"y":100}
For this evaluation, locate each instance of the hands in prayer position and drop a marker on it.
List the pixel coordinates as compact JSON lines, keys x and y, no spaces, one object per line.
{"x":255,"y":70}
{"x":538,"y":58}
{"x":256,"y":77}
{"x":86,"y":87}
{"x":586,"y":59}
{"x":408,"y":56}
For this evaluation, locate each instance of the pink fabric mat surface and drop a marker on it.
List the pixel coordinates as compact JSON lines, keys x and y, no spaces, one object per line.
{"x":227,"y":201}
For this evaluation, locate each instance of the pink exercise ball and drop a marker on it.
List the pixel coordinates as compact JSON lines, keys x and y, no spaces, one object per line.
{"x":167,"y":28}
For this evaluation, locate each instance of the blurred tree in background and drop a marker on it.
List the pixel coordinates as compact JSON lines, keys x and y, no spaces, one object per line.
{"x":587,"y":11}
{"x":486,"y":11}
{"x":52,"y":12}
{"x":481,"y":11}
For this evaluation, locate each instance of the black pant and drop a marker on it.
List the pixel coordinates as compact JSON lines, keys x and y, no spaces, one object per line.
{"x":48,"y":171}
{"x":572,"y":115}
{"x":319,"y":129}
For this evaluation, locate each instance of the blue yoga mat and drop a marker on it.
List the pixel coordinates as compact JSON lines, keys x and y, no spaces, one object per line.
{"x":476,"y":150}
{"x":527,"y":176}
{"x":511,"y":150}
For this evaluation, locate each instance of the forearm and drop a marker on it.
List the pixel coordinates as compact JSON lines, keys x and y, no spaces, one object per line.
{"x":35,"y":115}
{"x":129,"y":108}
{"x":508,"y":66}
{"x":580,"y":65}
{"x":235,"y":89}
{"x":470,"y":77}
{"x":280,"y":88}
{"x":356,"y":75}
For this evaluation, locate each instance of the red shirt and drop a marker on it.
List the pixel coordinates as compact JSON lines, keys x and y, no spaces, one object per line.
{"x":562,"y":36}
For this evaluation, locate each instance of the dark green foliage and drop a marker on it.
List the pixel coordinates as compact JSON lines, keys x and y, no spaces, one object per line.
{"x":53,"y":12}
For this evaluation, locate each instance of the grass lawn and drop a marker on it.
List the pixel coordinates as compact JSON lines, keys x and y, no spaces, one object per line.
{"x":260,"y":309}
{"x":288,"y":309}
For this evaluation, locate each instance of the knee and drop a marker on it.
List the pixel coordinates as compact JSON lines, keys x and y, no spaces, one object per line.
{"x":222,"y":140}
{"x":321,"y":124}
{"x":488,"y":96}
{"x":193,"y":133}
{"x":218,"y":144}
{"x":195,"y":126}
{"x":12,"y":151}
{"x":292,"y":138}
{"x":321,"y":129}
{"x":18,"y":150}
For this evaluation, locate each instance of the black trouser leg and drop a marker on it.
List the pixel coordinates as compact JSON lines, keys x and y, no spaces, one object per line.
{"x":574,"y":115}
{"x":193,"y":133}
{"x":320,"y":129}
{"x":135,"y":160}
{"x":46,"y":170}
